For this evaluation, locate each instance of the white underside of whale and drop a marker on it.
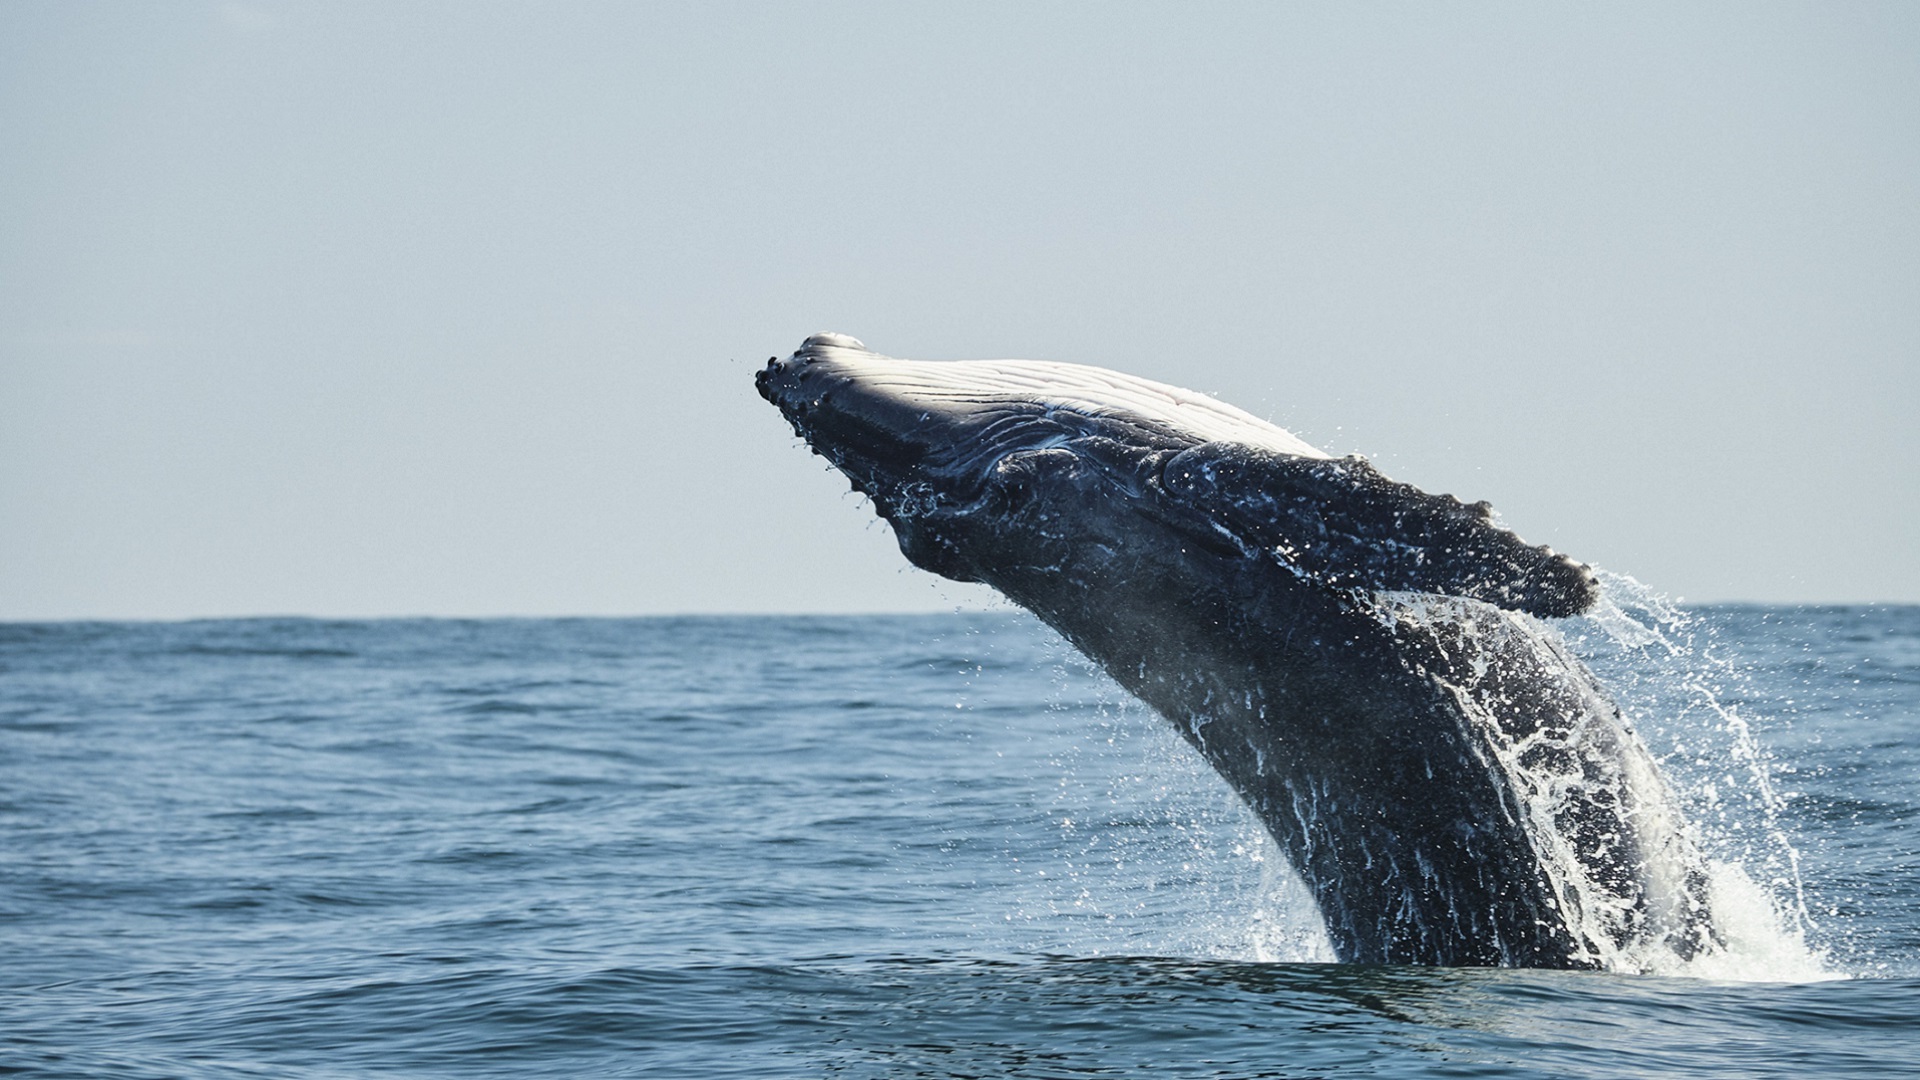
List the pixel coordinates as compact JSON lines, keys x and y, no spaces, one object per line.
{"x":985,"y":384}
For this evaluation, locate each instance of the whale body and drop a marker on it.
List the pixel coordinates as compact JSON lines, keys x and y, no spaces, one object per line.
{"x":1365,"y":663}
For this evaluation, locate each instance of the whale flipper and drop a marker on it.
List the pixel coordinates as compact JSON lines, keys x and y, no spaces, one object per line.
{"x":1342,"y":523}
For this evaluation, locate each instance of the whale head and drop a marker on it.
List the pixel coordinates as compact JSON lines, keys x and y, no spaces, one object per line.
{"x":1020,"y":472}
{"x":956,"y":454}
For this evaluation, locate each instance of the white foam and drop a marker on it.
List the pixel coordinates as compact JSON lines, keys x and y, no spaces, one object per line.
{"x":1759,"y":941}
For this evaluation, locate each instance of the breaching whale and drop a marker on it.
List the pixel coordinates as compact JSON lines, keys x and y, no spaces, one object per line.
{"x":1365,"y":663}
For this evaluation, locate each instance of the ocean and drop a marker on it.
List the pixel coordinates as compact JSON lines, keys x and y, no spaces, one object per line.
{"x":900,"y":846}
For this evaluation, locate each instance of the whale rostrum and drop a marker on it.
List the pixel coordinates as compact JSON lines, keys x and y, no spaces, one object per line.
{"x":1365,"y":663}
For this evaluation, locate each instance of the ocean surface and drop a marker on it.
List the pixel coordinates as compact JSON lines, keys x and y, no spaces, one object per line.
{"x":938,"y":846}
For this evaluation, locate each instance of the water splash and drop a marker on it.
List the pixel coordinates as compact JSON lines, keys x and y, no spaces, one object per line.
{"x":1673,"y":681}
{"x":1156,"y":856}
{"x":1619,"y":862}
{"x":1701,"y":809}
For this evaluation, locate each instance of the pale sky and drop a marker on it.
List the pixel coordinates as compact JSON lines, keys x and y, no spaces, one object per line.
{"x":453,"y":308}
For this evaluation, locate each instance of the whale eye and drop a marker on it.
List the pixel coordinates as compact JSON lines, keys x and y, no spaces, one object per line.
{"x":1009,"y":487}
{"x":1016,"y":478}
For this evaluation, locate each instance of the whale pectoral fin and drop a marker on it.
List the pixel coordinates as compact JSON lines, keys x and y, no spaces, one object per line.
{"x":1341,"y":522}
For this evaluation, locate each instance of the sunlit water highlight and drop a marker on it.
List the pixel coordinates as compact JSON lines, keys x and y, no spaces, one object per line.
{"x":930,"y":846}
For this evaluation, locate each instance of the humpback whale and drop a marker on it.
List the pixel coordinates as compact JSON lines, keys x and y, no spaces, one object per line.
{"x":1365,"y":663}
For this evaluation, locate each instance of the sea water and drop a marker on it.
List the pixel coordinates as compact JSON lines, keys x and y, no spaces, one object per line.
{"x":931,"y":846}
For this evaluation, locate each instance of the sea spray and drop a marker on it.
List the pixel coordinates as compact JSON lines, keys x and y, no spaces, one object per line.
{"x":1668,"y":673}
{"x":1163,"y":859}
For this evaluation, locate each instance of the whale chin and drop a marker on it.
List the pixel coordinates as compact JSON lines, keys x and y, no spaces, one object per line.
{"x":1362,"y":661}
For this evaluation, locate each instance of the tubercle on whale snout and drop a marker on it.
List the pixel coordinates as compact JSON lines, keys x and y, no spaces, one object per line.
{"x":878,"y":457}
